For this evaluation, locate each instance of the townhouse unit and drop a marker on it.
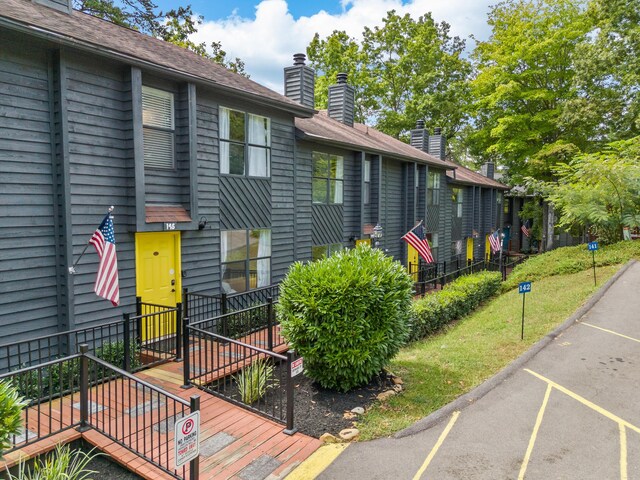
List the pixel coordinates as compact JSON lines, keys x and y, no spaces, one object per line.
{"x":218,"y":184}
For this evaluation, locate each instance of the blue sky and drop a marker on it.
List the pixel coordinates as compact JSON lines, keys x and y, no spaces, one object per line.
{"x":266,"y":33}
{"x":216,"y":9}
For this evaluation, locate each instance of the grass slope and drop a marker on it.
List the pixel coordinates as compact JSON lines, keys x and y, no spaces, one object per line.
{"x":442,"y":367}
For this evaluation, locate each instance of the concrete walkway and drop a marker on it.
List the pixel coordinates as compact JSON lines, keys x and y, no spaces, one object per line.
{"x":566,"y":410}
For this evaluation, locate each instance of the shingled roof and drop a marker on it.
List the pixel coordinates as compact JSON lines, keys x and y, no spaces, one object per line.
{"x":324,"y":129}
{"x":465,"y":176}
{"x":105,"y":38}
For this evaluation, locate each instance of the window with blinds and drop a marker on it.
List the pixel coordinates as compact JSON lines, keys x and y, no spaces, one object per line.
{"x":158,"y":122}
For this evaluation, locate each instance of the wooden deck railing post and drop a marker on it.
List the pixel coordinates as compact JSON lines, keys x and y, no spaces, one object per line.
{"x":84,"y":388}
{"x":186,"y":363}
{"x":194,"y":465}
{"x":126,"y":332}
{"x":138,"y":306}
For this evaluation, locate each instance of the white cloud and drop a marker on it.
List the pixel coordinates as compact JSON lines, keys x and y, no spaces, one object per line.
{"x":267,"y":42}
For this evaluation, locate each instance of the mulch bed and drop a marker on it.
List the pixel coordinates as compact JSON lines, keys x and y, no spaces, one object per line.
{"x":318,"y":410}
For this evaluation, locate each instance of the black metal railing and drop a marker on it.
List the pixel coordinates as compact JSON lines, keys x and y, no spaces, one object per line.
{"x":132,"y":343}
{"x":40,"y":386}
{"x":432,"y":275}
{"x":247,"y":375}
{"x":429,"y":279}
{"x":255,"y":326}
{"x":85,"y":392}
{"x":158,"y":332}
{"x":201,"y":306}
{"x":135,"y":414}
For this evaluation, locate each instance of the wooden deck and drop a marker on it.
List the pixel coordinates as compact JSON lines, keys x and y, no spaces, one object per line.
{"x":234,"y":443}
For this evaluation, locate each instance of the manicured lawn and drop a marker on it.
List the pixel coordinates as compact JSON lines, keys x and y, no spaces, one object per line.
{"x":442,"y":367}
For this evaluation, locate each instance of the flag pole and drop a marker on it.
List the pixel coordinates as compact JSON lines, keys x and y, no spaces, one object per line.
{"x":72,"y":269}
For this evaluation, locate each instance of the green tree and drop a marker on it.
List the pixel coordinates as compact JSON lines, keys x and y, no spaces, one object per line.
{"x":402,"y":71}
{"x":524,"y":79}
{"x":599,"y":190}
{"x":607,"y":79}
{"x":174,"y":26}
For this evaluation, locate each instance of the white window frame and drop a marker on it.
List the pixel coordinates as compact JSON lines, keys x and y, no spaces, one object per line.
{"x":250,"y":159}
{"x":158,"y":129}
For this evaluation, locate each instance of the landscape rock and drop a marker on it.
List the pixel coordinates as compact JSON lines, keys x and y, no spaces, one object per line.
{"x":397,"y":381}
{"x":397,"y":388}
{"x":357,"y":410}
{"x":384,"y":396}
{"x":328,"y":438}
{"x":349,"y":433}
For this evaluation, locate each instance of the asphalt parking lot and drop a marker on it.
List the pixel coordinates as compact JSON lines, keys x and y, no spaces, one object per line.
{"x":571,"y":411}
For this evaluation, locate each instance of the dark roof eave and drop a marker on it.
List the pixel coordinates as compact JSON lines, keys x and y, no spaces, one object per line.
{"x":301,"y":135}
{"x":301,"y":111}
{"x":477,"y":184}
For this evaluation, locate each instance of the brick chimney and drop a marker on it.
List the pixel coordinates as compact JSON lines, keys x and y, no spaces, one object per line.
{"x":341,"y":103}
{"x":300,"y":81}
{"x":60,"y":5}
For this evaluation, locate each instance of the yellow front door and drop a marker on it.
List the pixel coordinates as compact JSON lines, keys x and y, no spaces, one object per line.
{"x":487,"y":248}
{"x":469,"y":249}
{"x":158,"y":279}
{"x":412,"y":262}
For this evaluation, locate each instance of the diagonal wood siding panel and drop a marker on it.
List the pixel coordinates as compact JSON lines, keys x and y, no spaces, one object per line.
{"x":245,"y":202}
{"x":327,"y":224}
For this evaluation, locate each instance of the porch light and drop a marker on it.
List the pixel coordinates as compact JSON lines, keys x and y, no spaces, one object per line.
{"x":377,"y":234}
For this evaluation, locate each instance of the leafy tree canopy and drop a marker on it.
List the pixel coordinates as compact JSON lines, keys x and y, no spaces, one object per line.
{"x":173,"y":26}
{"x":402,"y":71}
{"x":524,"y":80}
{"x":600,"y":190}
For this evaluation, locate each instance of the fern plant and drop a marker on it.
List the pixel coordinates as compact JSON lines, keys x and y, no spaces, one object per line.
{"x":254,"y":380}
{"x":63,"y":463}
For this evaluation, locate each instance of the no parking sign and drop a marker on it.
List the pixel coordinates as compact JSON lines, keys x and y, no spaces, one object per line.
{"x":187,"y":438}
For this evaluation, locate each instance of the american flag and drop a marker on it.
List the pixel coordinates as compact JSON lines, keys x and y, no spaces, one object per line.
{"x":525,"y":229}
{"x":417,"y":239}
{"x":494,"y":240}
{"x":104,"y":242}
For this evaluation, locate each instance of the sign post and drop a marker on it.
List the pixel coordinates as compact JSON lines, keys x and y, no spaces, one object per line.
{"x":523,"y":288}
{"x":593,"y":246}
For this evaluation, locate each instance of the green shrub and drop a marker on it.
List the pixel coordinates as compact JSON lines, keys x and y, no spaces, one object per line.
{"x":62,"y":463}
{"x":567,"y":260}
{"x":456,"y":300}
{"x":254,"y":380}
{"x":11,"y":405}
{"x":347,"y":315}
{"x":113,"y":353}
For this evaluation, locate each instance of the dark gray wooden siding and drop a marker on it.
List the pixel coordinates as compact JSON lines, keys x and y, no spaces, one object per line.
{"x":303,"y":207}
{"x":201,"y":249}
{"x":282,"y":197}
{"x":244,"y":202}
{"x":28,"y":233}
{"x":352,"y":194}
{"x":166,"y":186}
{"x":100,"y":160}
{"x":393,"y":200}
{"x":327,"y":224}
